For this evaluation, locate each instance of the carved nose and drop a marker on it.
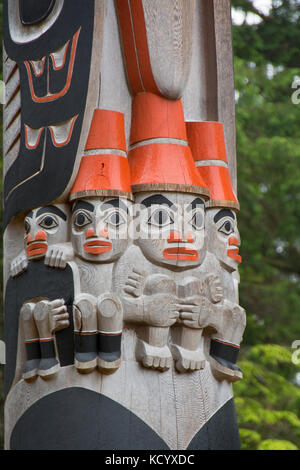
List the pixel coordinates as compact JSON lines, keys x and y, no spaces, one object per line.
{"x":90,"y":233}
{"x":40,"y":236}
{"x":234,"y":241}
{"x":189,"y":238}
{"x":104,"y":233}
{"x":175,"y":237}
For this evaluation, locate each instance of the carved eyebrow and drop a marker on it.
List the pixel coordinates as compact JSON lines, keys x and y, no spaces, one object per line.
{"x":196,"y":202}
{"x":83,"y":205}
{"x":53,"y":210}
{"x":115,"y":203}
{"x":223,"y":213}
{"x":30,"y":214}
{"x":158,"y":199}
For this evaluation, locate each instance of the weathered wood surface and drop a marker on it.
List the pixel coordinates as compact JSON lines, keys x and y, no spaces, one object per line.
{"x":150,"y":326}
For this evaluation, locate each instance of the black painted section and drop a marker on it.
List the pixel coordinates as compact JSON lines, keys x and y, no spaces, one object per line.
{"x":34,"y":12}
{"x":80,"y":419}
{"x":225,"y":351}
{"x":49,"y":183}
{"x":220,"y":432}
{"x":37,"y":281}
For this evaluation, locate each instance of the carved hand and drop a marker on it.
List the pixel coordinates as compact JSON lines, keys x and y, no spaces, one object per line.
{"x":215,"y":288}
{"x":160,"y":309}
{"x":19,"y":264}
{"x":57,"y":256}
{"x":196,"y":312}
{"x":135,"y":283}
{"x":233,"y":323}
{"x":58,"y":315}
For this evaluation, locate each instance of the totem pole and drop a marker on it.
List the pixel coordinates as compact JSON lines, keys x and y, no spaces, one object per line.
{"x":122,"y":318}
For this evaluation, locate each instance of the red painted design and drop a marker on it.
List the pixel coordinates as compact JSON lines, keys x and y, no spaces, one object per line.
{"x":55,"y":96}
{"x":40,"y":73}
{"x":181,"y":254}
{"x":234,"y":254}
{"x":233,"y":241}
{"x":67,"y":140}
{"x":33,"y":146}
{"x":135,"y":46}
{"x":55,"y":67}
{"x":96,"y":246}
{"x":39,"y":246}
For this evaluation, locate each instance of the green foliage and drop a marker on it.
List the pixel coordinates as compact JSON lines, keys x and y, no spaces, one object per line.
{"x":275,"y":444}
{"x":267,"y":400}
{"x":268,"y":147}
{"x":275,"y":39}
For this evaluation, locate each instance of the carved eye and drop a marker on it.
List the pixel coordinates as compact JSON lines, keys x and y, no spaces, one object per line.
{"x":81,"y":219}
{"x":197,"y":220}
{"x":227,"y":227}
{"x":48,"y":222}
{"x":160,"y":218}
{"x":115,"y":219}
{"x":26,"y":226}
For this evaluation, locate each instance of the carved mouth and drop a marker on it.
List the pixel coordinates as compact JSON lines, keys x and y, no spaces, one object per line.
{"x":95,"y":247}
{"x":234,"y":254}
{"x":36,"y":248}
{"x":181,"y":254}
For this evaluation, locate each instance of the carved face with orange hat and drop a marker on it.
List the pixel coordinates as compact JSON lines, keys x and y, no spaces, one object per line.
{"x":101,"y":192}
{"x":169,"y":194}
{"x":208,"y":146}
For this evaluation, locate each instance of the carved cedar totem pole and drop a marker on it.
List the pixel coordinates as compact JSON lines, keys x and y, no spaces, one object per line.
{"x":122,"y":318}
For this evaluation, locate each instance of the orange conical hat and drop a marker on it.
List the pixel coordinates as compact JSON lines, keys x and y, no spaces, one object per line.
{"x":207,"y":143}
{"x":104,"y":169}
{"x":160,"y":158}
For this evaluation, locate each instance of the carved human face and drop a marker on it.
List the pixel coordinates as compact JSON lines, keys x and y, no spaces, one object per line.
{"x":100,"y":228}
{"x":170,"y":228}
{"x":44,"y":226}
{"x":223,"y":237}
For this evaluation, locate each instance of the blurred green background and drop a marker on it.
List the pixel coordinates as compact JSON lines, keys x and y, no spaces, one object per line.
{"x":267,"y":59}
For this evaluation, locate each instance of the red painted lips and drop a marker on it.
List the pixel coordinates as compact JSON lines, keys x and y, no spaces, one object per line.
{"x":36,"y":248}
{"x":181,"y":254}
{"x":234,"y":252}
{"x":95,"y":247}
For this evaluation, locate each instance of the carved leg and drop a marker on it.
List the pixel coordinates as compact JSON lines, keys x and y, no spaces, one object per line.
{"x":186,"y":348}
{"x":49,"y":364}
{"x":85,"y":331}
{"x":32,"y":344}
{"x":224,"y":345}
{"x":110,"y":323}
{"x":222,"y":359}
{"x":153,"y":352}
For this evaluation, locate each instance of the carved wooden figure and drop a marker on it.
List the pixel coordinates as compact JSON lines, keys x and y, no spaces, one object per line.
{"x":125,"y":293}
{"x":101,"y":195}
{"x":208,"y":146}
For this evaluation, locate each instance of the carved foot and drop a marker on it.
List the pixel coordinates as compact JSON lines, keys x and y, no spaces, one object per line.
{"x":153,"y":357}
{"x":187,"y":360}
{"x":30,"y":370}
{"x":85,"y":362}
{"x":224,"y":370}
{"x":48,"y":368}
{"x":108,"y":363}
{"x":223,"y":356}
{"x":110,"y":323}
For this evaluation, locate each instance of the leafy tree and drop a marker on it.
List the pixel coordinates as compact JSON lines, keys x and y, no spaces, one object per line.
{"x":268,"y":148}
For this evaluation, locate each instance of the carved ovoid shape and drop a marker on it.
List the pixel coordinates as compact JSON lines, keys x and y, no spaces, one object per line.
{"x":33,"y":12}
{"x":60,"y":421}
